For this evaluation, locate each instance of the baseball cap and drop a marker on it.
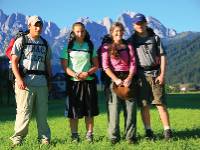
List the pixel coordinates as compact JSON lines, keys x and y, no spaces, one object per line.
{"x":139,"y":17}
{"x":34,"y":19}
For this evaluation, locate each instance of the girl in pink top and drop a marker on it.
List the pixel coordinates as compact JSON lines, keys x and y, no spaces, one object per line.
{"x":118,"y":62}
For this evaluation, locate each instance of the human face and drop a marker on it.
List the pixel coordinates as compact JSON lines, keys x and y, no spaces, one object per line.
{"x":79,"y":32}
{"x":140,"y":27}
{"x":35,"y":30}
{"x":117,"y":34}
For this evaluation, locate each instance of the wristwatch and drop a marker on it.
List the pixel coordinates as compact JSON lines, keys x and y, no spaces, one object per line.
{"x":88,"y":73}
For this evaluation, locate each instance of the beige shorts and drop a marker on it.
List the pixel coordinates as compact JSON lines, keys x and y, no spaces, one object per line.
{"x":150,"y":92}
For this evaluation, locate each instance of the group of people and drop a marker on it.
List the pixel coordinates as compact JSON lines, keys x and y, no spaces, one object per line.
{"x":138,"y":63}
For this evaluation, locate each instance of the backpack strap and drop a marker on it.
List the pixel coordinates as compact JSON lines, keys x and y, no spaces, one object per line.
{"x":24,"y":41}
{"x":90,"y":45}
{"x":24,"y":45}
{"x":133,"y":41}
{"x":91,"y":49}
{"x":157,"y":42}
{"x":79,"y":50}
{"x":123,"y":49}
{"x":46,"y":46}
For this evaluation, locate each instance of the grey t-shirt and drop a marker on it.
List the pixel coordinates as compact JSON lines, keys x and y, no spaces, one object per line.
{"x":148,"y":50}
{"x":32,"y":59}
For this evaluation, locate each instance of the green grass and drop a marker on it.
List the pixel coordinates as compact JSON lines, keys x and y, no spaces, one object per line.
{"x":184,"y":112}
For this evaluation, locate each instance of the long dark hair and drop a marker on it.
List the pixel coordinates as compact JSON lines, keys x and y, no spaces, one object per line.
{"x":72,"y":36}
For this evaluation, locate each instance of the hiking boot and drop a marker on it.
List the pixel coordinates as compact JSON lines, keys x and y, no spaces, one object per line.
{"x":89,"y":137}
{"x":167,"y":134}
{"x":132,"y":141}
{"x":16,"y":142}
{"x":114,"y":141}
{"x":149,"y":134}
{"x":45,"y":142}
{"x":75,"y":137}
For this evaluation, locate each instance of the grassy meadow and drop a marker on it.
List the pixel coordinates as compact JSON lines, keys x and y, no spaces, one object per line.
{"x":184,"y":110}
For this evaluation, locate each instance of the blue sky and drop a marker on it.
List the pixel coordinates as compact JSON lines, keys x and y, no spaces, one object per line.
{"x":181,"y":15}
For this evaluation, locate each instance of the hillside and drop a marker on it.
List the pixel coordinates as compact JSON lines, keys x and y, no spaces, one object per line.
{"x":183,"y":53}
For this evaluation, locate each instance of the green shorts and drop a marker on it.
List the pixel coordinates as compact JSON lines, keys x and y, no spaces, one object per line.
{"x":150,"y":92}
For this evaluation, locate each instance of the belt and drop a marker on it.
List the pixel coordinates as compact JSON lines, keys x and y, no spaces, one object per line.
{"x":36,"y":72}
{"x":149,"y":68}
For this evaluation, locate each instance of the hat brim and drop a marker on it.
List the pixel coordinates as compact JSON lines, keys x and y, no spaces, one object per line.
{"x":138,"y":20}
{"x":39,"y":21}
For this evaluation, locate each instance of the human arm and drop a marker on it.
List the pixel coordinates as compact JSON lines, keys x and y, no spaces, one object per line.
{"x":107,"y":65}
{"x":160,"y":79}
{"x":64,"y":64}
{"x":93,"y":69}
{"x":16,"y":53}
{"x":132,"y":67}
{"x":19,"y":80}
{"x":163,"y":61}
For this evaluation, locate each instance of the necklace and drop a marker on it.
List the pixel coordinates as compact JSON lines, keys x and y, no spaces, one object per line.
{"x":80,"y":44}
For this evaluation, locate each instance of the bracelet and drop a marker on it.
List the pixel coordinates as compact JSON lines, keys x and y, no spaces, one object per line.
{"x":76,"y":75}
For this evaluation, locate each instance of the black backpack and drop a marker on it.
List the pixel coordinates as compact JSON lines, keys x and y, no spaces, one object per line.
{"x":103,"y":76}
{"x":106,"y":39}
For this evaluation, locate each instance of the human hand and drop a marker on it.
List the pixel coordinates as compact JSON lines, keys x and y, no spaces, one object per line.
{"x":83,"y":75}
{"x":118,"y":82}
{"x":127,"y":82}
{"x":160,"y":80}
{"x":21,"y":84}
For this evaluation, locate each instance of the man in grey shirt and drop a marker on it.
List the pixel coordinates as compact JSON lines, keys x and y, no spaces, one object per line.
{"x":151,"y":66}
{"x":31,"y":67}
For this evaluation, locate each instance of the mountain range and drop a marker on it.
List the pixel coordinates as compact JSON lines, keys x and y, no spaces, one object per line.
{"x":57,"y":37}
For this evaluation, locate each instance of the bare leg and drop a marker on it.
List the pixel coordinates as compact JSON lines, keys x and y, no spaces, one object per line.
{"x":146,"y":117}
{"x":147,"y":122}
{"x":73,"y":125}
{"x":164,"y":115}
{"x":89,"y":121}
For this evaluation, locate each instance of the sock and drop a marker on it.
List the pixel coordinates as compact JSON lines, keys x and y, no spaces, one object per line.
{"x":74,"y":133}
{"x":89,"y":132}
{"x":147,"y":127}
{"x":166,"y":127}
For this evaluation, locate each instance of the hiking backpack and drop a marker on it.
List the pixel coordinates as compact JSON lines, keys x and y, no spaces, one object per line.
{"x":12,"y":41}
{"x":103,"y":76}
{"x":23,"y":71}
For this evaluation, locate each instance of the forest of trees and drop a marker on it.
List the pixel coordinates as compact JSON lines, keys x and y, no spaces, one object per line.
{"x":183,"y":56}
{"x":184,"y":61}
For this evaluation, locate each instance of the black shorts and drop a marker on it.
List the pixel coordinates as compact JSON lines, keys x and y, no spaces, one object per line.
{"x":83,"y":99}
